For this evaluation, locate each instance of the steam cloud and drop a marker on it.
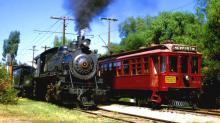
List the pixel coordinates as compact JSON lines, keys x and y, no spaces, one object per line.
{"x":85,"y":10}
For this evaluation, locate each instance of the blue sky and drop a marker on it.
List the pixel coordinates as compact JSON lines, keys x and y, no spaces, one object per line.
{"x":29,"y":15}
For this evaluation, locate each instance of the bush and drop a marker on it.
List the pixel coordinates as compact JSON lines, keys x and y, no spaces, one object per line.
{"x":8,"y":95}
{"x":211,"y":84}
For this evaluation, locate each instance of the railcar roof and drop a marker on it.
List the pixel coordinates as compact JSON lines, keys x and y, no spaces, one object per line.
{"x":142,"y":53}
{"x":51,"y":50}
{"x":22,"y":66}
{"x":149,"y":50}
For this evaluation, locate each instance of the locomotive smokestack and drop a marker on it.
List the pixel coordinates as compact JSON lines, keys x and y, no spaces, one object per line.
{"x":85,"y":10}
{"x":81,"y":36}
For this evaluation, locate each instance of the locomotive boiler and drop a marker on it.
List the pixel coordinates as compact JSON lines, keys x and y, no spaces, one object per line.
{"x":67,"y":74}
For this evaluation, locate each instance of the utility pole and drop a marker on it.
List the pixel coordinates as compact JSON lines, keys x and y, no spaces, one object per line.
{"x":45,"y":47}
{"x":64,"y":18}
{"x":33,"y":50}
{"x":109,"y":29}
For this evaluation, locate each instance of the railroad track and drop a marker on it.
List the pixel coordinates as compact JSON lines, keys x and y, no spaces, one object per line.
{"x":199,"y":111}
{"x":123,"y":117}
{"x":165,"y":115}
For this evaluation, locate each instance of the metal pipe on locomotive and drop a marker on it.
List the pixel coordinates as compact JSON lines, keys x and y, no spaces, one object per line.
{"x":67,"y":74}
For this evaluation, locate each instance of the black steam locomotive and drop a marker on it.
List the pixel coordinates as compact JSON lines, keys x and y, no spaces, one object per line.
{"x":67,"y":74}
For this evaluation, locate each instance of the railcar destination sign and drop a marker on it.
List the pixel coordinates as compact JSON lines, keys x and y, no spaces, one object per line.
{"x":184,"y":48}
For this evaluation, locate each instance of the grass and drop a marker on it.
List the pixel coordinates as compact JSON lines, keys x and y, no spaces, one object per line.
{"x":124,"y":99}
{"x":35,"y":111}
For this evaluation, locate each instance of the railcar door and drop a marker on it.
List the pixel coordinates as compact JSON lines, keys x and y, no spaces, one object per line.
{"x":184,"y":71}
{"x":172,"y":80}
{"x":195,"y":75}
{"x":154,"y":71}
{"x":189,"y":71}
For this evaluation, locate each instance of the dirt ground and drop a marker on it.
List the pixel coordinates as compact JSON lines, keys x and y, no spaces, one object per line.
{"x":6,"y":118}
{"x":13,"y":119}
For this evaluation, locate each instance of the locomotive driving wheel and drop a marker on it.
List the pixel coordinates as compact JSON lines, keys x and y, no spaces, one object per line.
{"x":34,"y":91}
{"x":50,"y":94}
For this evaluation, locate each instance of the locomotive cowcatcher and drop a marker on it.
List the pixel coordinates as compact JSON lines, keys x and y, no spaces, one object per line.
{"x":161,"y":74}
{"x":67,"y":74}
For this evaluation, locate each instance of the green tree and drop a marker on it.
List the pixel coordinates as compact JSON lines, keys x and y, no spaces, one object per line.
{"x":182,"y":27}
{"x":135,"y":32}
{"x":212,"y":42}
{"x":116,"y":48}
{"x":58,"y":41}
{"x":11,"y":44}
{"x":212,"y":49}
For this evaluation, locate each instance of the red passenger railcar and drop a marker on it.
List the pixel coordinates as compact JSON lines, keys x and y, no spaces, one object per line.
{"x":158,"y":74}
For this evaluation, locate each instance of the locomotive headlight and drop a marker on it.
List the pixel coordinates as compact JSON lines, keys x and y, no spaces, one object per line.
{"x":187,"y":77}
{"x":27,"y":82}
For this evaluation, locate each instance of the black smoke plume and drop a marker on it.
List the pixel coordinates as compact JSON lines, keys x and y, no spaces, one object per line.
{"x":85,"y":10}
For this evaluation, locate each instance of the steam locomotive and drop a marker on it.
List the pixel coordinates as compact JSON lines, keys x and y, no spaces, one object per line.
{"x":66,"y":74}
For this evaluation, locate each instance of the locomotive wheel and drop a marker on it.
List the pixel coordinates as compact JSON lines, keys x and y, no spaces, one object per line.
{"x":34,"y":90}
{"x":39,"y":90}
{"x":50,"y":94}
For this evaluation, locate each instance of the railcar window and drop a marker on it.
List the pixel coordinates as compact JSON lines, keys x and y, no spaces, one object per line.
{"x":146,"y":65}
{"x":110,"y":66}
{"x":102,"y":67}
{"x":194,"y":64}
{"x":118,"y":68}
{"x":38,"y":67}
{"x":126,"y":67}
{"x":105,"y":67}
{"x":138,"y":66}
{"x":184,"y":64}
{"x":162,"y":64}
{"x":133,"y":69}
{"x":155,"y":63}
{"x":173,"y":64}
